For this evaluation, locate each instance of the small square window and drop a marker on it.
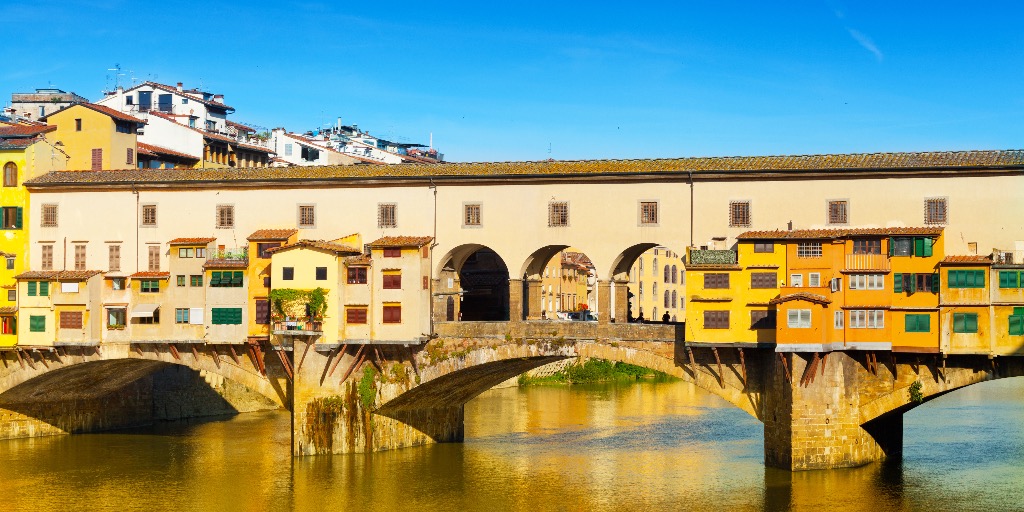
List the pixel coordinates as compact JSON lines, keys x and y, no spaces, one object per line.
{"x":149,"y":215}
{"x":935,"y":211}
{"x":357,"y":275}
{"x":288,"y":273}
{"x":48,"y":216}
{"x":10,"y":263}
{"x":558,"y":214}
{"x":225,"y":216}
{"x":149,"y":286}
{"x":392,"y":314}
{"x":472,"y":215}
{"x":196,"y":280}
{"x":307,"y":216}
{"x":180,"y":280}
{"x":838,"y":212}
{"x":321,"y":273}
{"x":648,"y":213}
{"x":12,"y":295}
{"x":766,"y":247}
{"x":386,"y":215}
{"x":739,"y":214}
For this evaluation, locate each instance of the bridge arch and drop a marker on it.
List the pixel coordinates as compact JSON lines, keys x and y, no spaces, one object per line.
{"x":476,"y":279}
{"x":654,"y":277}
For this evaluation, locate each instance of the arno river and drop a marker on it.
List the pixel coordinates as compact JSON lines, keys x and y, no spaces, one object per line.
{"x":648,"y":446}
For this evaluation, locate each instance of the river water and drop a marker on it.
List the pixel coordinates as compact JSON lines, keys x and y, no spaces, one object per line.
{"x":645,"y":446}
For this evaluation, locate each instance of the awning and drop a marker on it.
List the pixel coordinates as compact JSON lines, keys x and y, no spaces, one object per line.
{"x":144,"y":310}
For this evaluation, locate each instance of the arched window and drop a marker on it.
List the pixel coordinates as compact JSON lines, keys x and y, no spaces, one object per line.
{"x":674,"y":299}
{"x":668,"y":298}
{"x":654,"y":289}
{"x":668,"y":279}
{"x":655,"y":269}
{"x":641,"y":290}
{"x":675,"y":272}
{"x":10,"y":174}
{"x":641,"y":266}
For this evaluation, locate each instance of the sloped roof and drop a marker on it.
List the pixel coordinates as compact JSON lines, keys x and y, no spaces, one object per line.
{"x":150,"y":275}
{"x":102,"y":109}
{"x":318,"y":244}
{"x":22,"y":130}
{"x":271,"y":235}
{"x":192,"y":241}
{"x":801,"y":296}
{"x":966,"y":260}
{"x":818,"y":234}
{"x":59,"y":275}
{"x":158,"y":150}
{"x":401,"y":241}
{"x":226,"y":263}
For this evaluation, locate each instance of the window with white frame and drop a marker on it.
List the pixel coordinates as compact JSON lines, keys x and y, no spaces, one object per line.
{"x":814,"y":279}
{"x":867,"y":282}
{"x":798,"y":318}
{"x":837,"y":321}
{"x":796,"y":280}
{"x":808,"y":250}
{"x":867,"y":319}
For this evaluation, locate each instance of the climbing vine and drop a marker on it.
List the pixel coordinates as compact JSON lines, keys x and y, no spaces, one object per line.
{"x":285,"y":299}
{"x":368,"y":388}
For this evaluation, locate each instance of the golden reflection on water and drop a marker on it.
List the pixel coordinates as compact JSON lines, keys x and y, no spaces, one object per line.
{"x":648,"y":446}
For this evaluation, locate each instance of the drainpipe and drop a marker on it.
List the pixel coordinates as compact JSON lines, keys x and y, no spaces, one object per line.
{"x":137,"y":206}
{"x":433,"y":244}
{"x":690,"y":178}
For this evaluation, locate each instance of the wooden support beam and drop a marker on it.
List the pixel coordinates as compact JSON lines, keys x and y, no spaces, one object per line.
{"x":892,"y":356}
{"x":372,"y":357}
{"x":823,"y":358}
{"x":721,"y":382}
{"x":216,"y":355}
{"x":743,"y":366}
{"x":286,"y":364}
{"x":785,"y":366}
{"x":693,"y":363}
{"x":358,"y":359}
{"x":234,"y":355}
{"x":304,"y":352}
{"x":380,"y":357}
{"x":340,"y":351}
{"x":138,"y":349}
{"x":256,"y":351}
{"x":21,"y":361}
{"x":29,"y":360}
{"x":42,"y":359}
{"x":174,"y":351}
{"x":195,"y":353}
{"x":3,"y":357}
{"x":412,"y":360}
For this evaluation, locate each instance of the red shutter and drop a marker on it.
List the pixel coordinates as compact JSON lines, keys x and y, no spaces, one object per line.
{"x":262,"y":311}
{"x":97,"y":159}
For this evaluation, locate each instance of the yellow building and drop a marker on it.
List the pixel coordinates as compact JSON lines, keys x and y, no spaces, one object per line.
{"x":657,"y":284}
{"x":59,"y":306}
{"x":966,"y":293}
{"x":567,"y":284}
{"x":96,"y":137}
{"x":259,"y":271}
{"x":1007,"y":282}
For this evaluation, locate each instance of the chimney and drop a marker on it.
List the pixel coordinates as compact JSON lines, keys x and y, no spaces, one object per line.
{"x":179,"y":86}
{"x":219,"y":98}
{"x":790,"y":225}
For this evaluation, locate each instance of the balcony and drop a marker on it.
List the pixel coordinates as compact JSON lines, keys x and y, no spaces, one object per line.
{"x":867,"y":262}
{"x":712,"y":257}
{"x":298,"y":327}
{"x":240,"y":253}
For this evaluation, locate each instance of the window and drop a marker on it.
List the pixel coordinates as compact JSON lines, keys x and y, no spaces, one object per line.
{"x":288,"y":273}
{"x":1010,"y":279}
{"x":668,"y":274}
{"x":226,"y":316}
{"x":355,"y":315}
{"x":116,"y":318}
{"x":808,"y":250}
{"x":935,"y":210}
{"x":78,"y":125}
{"x":712,"y":281}
{"x":392,"y":314}
{"x":186,"y":252}
{"x":392,"y":280}
{"x":392,"y":252}
{"x":131,"y":156}
{"x":798,"y":319}
{"x":154,"y":258}
{"x":763,"y":280}
{"x":37,"y":323}
{"x":912,"y":283}
{"x":675,"y":274}
{"x":867,"y":247}
{"x":813,"y":279}
{"x":762,"y":319}
{"x":262,"y":311}
{"x":114,"y":258}
{"x":357,"y":275}
{"x":867,"y":319}
{"x":307,"y":216}
{"x":867,"y":282}
{"x":796,"y":280}
{"x":226,"y":279}
{"x":10,"y":262}
{"x":917,"y":323}
{"x":321,"y":273}
{"x":10,"y":174}
{"x":225,"y":216}
{"x":97,"y":159}
{"x":149,"y":286}
{"x":40,"y":288}
{"x":558,"y":214}
{"x":965,"y":322}
{"x":668,"y":299}
{"x":966,"y":278}
{"x":69,"y":287}
{"x":180,"y":280}
{"x":907,"y":246}
{"x":149,"y":215}
{"x":716,"y":319}
{"x":1016,"y":325}
{"x":263,"y":247}
{"x":8,"y":325}
{"x":288,"y":149}
{"x":739,"y":214}
{"x":837,"y":320}
{"x":196,"y":280}
{"x":837,"y":212}
{"x":648,"y":213}
{"x":764,"y":247}
{"x":835,"y":284}
{"x":44,"y":288}
{"x":79,"y":256}
{"x":70,"y":320}
{"x":181,"y":315}
{"x":117,"y":283}
{"x":386,"y":217}
{"x":12,"y":295}
{"x":471,"y":214}
{"x":12,"y":217}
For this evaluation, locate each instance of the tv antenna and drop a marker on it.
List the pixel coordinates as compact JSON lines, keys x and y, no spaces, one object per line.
{"x":117,"y":75}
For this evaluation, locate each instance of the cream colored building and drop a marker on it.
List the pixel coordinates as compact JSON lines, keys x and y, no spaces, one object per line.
{"x":657,"y":281}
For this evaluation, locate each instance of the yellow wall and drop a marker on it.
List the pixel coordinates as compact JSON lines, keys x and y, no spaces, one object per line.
{"x":98,"y":132}
{"x":967,"y":343}
{"x":648,"y":272}
{"x":304,"y":261}
{"x":37,"y":305}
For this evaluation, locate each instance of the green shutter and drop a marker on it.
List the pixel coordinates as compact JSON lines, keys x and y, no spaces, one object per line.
{"x":236,"y":279}
{"x":967,"y":278}
{"x":37,"y":323}
{"x":214,"y":278}
{"x":935,"y":283}
{"x":1008,"y":279}
{"x":917,"y":323}
{"x":909,"y":283}
{"x":44,"y":288}
{"x":919,"y":247}
{"x":979,"y":278}
{"x":971,"y":322}
{"x":927,"y":247}
{"x":953,"y":278}
{"x":892,"y":247}
{"x":1018,"y":311}
{"x":19,"y":218}
{"x":32,"y":288}
{"x":959,"y":320}
{"x":897,"y":283}
{"x":226,"y":316}
{"x":1017,"y":325}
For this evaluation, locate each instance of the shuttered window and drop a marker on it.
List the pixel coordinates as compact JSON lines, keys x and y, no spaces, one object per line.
{"x":114,"y":258}
{"x":838,"y":212}
{"x":149,"y":215}
{"x":79,"y":257}
{"x":716,"y":319}
{"x":225,"y":216}
{"x":49,"y":216}
{"x":392,"y":314}
{"x":965,"y":322}
{"x":648,"y":213}
{"x":763,"y":280}
{"x":46,"y":257}
{"x":37,"y":323}
{"x":33,"y":288}
{"x":181,"y":315}
{"x":131,"y":156}
{"x":917,"y":323}
{"x":262,"y":311}
{"x":392,"y":281}
{"x":386,"y":215}
{"x":97,"y":159}
{"x":226,"y":316}
{"x":71,"y":320}
{"x":355,"y":315}
{"x":154,"y":258}
{"x":712,"y":281}
{"x":44,"y":288}
{"x":966,"y":278}
{"x":762,"y":319}
{"x":558,"y":214}
{"x":739,"y":214}
{"x":1010,"y":279}
{"x":392,"y":252}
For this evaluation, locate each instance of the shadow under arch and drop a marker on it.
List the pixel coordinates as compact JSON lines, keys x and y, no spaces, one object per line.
{"x":479,"y":279}
{"x":658,"y":290}
{"x":109,"y":394}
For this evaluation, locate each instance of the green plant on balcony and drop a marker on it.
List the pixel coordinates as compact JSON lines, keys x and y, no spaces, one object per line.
{"x":294,"y":303}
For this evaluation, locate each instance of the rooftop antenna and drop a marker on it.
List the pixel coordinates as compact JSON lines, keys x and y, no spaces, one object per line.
{"x":117,"y":75}
{"x":549,"y":148}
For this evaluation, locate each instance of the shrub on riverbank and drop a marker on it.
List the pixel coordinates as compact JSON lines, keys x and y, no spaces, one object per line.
{"x":595,"y":370}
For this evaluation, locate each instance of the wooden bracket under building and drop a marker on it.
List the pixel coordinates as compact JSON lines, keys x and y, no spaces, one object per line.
{"x":785,"y":366}
{"x":21,"y":361}
{"x":339,"y":353}
{"x":234,"y":355}
{"x":216,"y":356}
{"x":303,"y":358}
{"x":721,"y":381}
{"x":174,"y":351}
{"x":412,"y":360}
{"x":743,"y":366}
{"x":358,"y":358}
{"x":286,"y":364}
{"x":693,"y":363}
{"x":256,"y":353}
{"x":195,"y":353}
{"x":28,"y":359}
{"x":823,"y":358}
{"x":42,"y":358}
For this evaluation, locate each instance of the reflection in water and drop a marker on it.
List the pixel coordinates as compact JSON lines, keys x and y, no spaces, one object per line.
{"x":649,"y":446}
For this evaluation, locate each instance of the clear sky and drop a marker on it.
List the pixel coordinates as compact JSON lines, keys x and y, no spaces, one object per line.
{"x":531,"y":81}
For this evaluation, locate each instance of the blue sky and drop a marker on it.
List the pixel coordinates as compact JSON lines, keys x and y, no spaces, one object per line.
{"x":533,"y":81}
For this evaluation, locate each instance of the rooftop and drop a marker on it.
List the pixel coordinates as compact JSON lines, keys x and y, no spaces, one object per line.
{"x":115,"y":114}
{"x":24,"y":130}
{"x":967,"y":260}
{"x":226,"y":263}
{"x":401,"y":241}
{"x":318,"y":244}
{"x":272,"y":235}
{"x":151,"y":275}
{"x":192,"y":241}
{"x":60,"y":275}
{"x":941,"y":160}
{"x":158,"y":150}
{"x":802,"y":296}
{"x":817,"y":234}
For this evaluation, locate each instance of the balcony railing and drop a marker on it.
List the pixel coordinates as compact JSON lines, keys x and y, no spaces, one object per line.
{"x":286,"y":327}
{"x":867,"y":262}
{"x":712,"y":257}
{"x":239,"y":253}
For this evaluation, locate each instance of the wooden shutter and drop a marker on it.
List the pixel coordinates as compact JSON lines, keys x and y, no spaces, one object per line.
{"x":114,"y":258}
{"x":19,"y":218}
{"x":32,"y":288}
{"x":262,"y":311}
{"x":97,"y":159}
{"x":131,"y":156}
{"x":154,"y":258}
{"x":71,"y":320}
{"x":897,"y":283}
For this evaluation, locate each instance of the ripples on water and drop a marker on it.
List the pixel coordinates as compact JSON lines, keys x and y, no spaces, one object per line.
{"x":648,"y":446}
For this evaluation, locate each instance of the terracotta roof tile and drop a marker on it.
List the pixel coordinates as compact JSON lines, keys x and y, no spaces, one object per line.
{"x":804,"y":296}
{"x":401,"y":241}
{"x":192,"y":241}
{"x":60,"y":275}
{"x":20,"y":131}
{"x":836,"y":163}
{"x":102,"y":109}
{"x":191,"y":94}
{"x":812,"y":234}
{"x":966,"y":260}
{"x":362,"y":259}
{"x":18,"y":143}
{"x":157,"y":150}
{"x":240,"y":126}
{"x":8,"y":310}
{"x":226,"y":263}
{"x":318,"y":244}
{"x":150,"y":275}
{"x":272,"y":235}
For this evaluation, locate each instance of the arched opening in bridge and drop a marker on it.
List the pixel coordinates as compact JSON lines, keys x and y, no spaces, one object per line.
{"x":117,"y":393}
{"x":655,"y":280}
{"x":560,"y":284}
{"x":474,"y":285}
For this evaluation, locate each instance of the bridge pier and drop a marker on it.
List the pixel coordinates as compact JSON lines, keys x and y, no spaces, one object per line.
{"x":813,"y":417}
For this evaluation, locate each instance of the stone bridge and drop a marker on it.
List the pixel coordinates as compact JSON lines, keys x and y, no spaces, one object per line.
{"x":840,"y":409}
{"x":72,"y":389}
